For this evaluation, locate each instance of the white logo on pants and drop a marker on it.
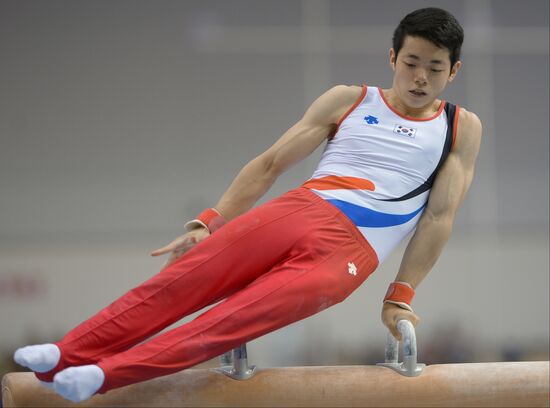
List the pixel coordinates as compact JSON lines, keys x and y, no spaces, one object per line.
{"x":352,"y":269}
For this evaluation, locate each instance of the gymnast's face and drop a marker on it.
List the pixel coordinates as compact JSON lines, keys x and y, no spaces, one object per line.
{"x":421,"y":72}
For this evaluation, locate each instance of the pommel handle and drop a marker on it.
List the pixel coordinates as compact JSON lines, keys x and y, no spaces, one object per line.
{"x":234,"y":364}
{"x":409,"y":367}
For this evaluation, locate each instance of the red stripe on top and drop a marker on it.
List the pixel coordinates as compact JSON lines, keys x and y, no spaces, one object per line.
{"x":455,"y":125}
{"x":339,"y":182}
{"x":357,"y":102}
{"x":439,"y":110}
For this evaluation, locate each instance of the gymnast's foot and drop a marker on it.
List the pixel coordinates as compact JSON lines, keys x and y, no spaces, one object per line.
{"x":78,"y":383}
{"x":39,"y":358}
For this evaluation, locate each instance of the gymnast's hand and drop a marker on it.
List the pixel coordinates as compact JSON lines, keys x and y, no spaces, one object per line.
{"x":182,"y":244}
{"x":392,"y":313}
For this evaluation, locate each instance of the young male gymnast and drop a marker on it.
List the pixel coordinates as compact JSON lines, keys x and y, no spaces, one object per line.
{"x":396,"y":160}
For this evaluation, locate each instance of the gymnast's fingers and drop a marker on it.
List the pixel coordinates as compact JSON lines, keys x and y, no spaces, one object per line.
{"x":163,"y":250}
{"x":180,"y":250}
{"x":158,"y":252}
{"x":170,"y":247}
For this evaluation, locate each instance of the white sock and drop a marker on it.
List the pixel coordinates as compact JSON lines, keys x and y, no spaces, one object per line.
{"x":39,"y":358}
{"x":78,"y":383}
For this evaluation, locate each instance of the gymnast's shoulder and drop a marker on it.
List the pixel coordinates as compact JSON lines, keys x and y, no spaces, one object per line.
{"x":345,"y":93}
{"x":333,"y":103}
{"x":469,"y":128}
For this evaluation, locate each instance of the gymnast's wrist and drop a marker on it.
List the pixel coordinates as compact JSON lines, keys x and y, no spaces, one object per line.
{"x":400,"y":294}
{"x":210,"y":218}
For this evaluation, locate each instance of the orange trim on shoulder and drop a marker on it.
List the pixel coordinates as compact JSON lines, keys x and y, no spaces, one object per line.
{"x":439,"y":110}
{"x":455,"y":125}
{"x":357,"y":102}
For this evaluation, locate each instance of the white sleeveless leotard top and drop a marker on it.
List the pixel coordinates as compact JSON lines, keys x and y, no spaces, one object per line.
{"x":379,"y":166}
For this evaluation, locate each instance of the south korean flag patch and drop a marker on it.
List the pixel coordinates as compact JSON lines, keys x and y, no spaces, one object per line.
{"x":405,"y":131}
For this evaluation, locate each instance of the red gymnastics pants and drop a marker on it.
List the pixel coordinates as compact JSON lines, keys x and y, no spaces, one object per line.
{"x":276,"y":264}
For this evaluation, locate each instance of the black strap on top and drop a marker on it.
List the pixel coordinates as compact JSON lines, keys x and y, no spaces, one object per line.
{"x":450,"y":110}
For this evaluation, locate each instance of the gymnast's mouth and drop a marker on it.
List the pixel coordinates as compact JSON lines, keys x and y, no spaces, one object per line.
{"x":417,"y":92}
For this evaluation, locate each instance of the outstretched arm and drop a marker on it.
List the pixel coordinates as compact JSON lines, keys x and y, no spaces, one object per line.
{"x":256,"y":177}
{"x":435,"y":225}
{"x":298,"y":142}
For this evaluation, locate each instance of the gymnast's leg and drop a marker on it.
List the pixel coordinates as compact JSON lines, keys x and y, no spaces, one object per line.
{"x":224,"y":262}
{"x":317,"y":274}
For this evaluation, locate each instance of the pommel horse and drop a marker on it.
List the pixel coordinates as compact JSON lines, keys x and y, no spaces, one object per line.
{"x":388,"y":384}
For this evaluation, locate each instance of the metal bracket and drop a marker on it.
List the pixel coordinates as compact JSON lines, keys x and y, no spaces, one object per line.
{"x":409,"y":367}
{"x":234,"y":364}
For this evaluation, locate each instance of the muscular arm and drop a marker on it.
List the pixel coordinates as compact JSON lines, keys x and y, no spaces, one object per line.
{"x":448,"y":192}
{"x":256,"y":177}
{"x":253,"y":181}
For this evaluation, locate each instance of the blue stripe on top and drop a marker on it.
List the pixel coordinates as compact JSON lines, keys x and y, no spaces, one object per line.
{"x":365,"y":217}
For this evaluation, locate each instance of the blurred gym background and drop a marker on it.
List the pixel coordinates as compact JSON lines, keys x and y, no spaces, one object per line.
{"x":120,"y":120}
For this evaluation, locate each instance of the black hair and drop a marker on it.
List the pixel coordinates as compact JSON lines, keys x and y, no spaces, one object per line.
{"x":433,"y":24}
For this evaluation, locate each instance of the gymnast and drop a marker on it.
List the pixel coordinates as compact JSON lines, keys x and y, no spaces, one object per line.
{"x":396,"y":160}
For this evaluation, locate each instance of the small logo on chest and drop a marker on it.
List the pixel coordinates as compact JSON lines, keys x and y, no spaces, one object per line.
{"x":405,"y":131}
{"x":371,"y":120}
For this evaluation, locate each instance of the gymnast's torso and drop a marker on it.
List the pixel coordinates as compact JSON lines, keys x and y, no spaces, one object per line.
{"x":379,"y":166}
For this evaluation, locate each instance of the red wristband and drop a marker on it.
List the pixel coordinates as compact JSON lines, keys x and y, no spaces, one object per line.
{"x":400,"y":294}
{"x":208,"y":215}
{"x":209,"y":218}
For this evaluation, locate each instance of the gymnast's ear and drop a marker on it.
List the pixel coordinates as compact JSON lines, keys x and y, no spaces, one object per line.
{"x":454,"y":70}
{"x":393,"y":58}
